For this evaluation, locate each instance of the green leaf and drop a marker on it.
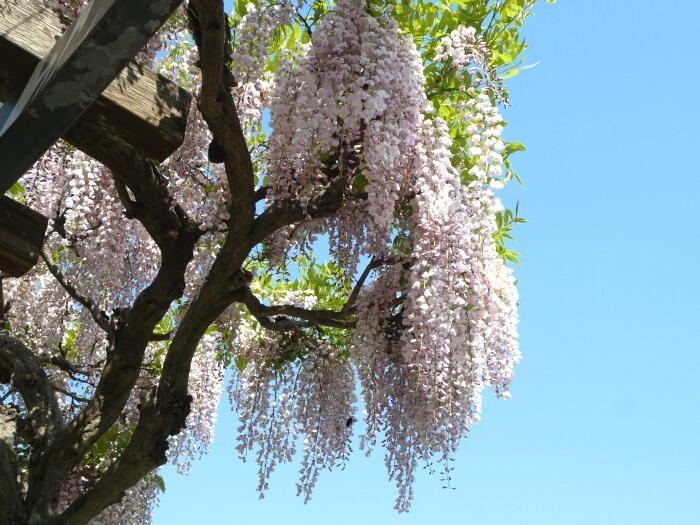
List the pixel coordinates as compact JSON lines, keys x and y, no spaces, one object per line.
{"x":69,"y":342}
{"x":17,"y":190}
{"x":241,"y":362}
{"x":159,"y":481}
{"x":512,"y":8}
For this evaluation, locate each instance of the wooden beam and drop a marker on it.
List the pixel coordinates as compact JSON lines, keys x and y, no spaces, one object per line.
{"x":139,"y":108}
{"x":21,"y":237}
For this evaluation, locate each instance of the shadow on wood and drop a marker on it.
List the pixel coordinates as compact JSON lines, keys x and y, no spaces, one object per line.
{"x":139,"y":108}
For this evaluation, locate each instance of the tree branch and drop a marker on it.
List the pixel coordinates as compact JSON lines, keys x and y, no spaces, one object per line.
{"x":176,"y":235}
{"x":19,"y":365}
{"x":331,"y":318}
{"x":283,"y":213}
{"x":72,"y":395}
{"x":261,"y":193}
{"x":161,"y":337}
{"x":100,"y":317}
{"x":152,"y":203}
{"x":124,"y":196}
{"x":3,"y":307}
{"x":210,"y":31}
{"x":374,"y":264}
{"x":61,"y":363}
{"x":264,"y":313}
{"x":10,"y":496}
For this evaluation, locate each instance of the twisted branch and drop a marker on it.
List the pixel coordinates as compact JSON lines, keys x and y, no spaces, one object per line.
{"x":100,"y":317}
{"x":10,"y":495}
{"x":306,"y":317}
{"x":19,"y":365}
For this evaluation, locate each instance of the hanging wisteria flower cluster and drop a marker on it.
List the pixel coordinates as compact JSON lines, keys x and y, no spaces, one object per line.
{"x":393,"y":341}
{"x":439,"y":325}
{"x":254,"y":33}
{"x":349,"y":108}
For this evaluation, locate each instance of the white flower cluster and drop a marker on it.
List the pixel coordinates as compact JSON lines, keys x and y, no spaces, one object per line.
{"x":426,"y":349}
{"x":312,"y":400}
{"x":87,"y":228}
{"x":494,"y":298}
{"x":282,"y":398}
{"x":201,"y":188}
{"x":205,"y":386}
{"x":351,"y":108}
{"x":253,"y":37}
{"x":466,"y":52}
{"x":180,"y":57}
{"x":135,"y":508}
{"x":462,"y":46}
{"x":440,"y":325}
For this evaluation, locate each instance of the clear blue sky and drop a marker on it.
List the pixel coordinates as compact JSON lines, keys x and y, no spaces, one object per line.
{"x":603,"y":427}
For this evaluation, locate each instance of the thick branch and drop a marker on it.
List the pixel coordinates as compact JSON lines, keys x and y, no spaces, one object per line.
{"x":21,"y":367}
{"x":162,"y":415}
{"x":176,"y":235}
{"x":210,"y":30}
{"x":165,"y":414}
{"x":152,"y":204}
{"x":10,"y":497}
{"x":284,"y":213}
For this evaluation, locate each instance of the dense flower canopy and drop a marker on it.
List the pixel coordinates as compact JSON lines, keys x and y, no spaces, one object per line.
{"x":372,"y":128}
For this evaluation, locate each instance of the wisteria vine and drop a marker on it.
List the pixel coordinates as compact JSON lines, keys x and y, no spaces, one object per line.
{"x":412,"y":319}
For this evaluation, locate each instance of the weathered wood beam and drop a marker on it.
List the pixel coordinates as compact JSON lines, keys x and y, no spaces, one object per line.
{"x":21,"y":237}
{"x":138,"y":108}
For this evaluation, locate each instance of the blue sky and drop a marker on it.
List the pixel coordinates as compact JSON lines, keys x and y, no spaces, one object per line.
{"x":603,"y":427}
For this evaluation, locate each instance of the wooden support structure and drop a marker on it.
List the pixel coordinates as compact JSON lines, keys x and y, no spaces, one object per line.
{"x":138,"y":108}
{"x":21,"y":236}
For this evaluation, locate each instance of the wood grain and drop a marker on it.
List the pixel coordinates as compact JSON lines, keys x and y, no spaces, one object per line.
{"x":140,"y":108}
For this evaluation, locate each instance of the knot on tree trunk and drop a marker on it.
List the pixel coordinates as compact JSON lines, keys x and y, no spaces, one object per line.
{"x":179,"y":412}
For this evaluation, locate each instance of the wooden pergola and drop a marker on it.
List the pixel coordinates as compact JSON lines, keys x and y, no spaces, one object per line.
{"x":79,"y":83}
